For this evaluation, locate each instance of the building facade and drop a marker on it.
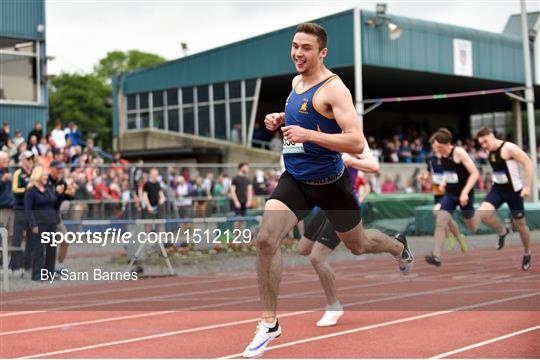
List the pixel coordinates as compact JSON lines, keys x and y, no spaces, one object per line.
{"x":23,"y":85}
{"x":210,"y":106}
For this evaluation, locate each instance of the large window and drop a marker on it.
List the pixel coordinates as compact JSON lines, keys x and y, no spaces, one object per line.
{"x":18,"y":70}
{"x":220,"y":121}
{"x":213,"y":111}
{"x":236,"y":122}
{"x":189,"y":120}
{"x":174,"y":120}
{"x":494,"y":121}
{"x":158,"y":116}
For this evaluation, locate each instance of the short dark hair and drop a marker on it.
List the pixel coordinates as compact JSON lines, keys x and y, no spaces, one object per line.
{"x":241,"y":165}
{"x":314,"y":29}
{"x":483,"y":131}
{"x":443,"y":136}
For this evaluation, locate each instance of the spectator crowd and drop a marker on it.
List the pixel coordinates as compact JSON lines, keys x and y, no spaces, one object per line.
{"x":61,"y":173}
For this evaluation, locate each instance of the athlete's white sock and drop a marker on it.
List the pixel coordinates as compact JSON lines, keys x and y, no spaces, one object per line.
{"x":334,"y":307}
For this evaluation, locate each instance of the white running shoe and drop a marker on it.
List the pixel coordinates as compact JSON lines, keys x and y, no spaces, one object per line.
{"x":330,"y":317}
{"x":263,"y":335}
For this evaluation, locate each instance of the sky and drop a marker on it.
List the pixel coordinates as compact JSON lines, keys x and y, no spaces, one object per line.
{"x":80,"y":33}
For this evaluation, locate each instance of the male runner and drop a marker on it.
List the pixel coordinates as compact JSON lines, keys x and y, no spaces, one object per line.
{"x":320,"y":239}
{"x":436,"y":172}
{"x":320,"y":123}
{"x":460,"y":175}
{"x":505,"y":157}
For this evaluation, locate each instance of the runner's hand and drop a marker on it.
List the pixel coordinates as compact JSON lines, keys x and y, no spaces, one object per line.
{"x":296,"y":134}
{"x":464,"y":199}
{"x":347,"y":159}
{"x":273,"y":121}
{"x":525,"y":192}
{"x":442,"y":186}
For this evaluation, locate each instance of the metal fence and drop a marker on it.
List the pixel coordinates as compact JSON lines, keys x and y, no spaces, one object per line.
{"x":114,"y":191}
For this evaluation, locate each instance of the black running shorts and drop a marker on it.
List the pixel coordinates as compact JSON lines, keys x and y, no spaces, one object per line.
{"x":320,"y":230}
{"x":337,"y":199}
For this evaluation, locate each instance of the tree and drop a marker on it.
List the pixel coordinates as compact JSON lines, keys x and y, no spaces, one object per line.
{"x":85,"y":100}
{"x":117,"y":62}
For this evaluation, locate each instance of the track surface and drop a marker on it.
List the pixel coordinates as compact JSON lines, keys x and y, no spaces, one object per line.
{"x":478,"y":305}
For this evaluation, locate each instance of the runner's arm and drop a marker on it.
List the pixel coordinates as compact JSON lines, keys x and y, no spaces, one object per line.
{"x":364,"y":162}
{"x":466,"y":160}
{"x":521,"y":157}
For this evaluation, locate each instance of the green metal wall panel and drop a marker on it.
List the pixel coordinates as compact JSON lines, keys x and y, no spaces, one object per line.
{"x":428,"y":46}
{"x":20,"y":18}
{"x":261,"y":56}
{"x":23,"y":117}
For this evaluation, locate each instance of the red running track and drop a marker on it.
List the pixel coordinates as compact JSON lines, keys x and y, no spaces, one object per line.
{"x":478,"y":305}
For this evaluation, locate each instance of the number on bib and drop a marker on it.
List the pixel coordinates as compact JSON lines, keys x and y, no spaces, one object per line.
{"x":500,"y":178}
{"x":451,"y":177}
{"x":290,"y":147}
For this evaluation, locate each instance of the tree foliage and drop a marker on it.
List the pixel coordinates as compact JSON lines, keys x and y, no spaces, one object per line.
{"x":85,"y":100}
{"x":117,"y":62}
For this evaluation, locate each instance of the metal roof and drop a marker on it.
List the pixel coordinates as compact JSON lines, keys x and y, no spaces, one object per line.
{"x":20,"y":19}
{"x":513,"y":24}
{"x":424,"y":46}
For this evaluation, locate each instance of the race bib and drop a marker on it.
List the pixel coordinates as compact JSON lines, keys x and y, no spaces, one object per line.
{"x":500,"y":178}
{"x":290,"y":147}
{"x":451,"y":177}
{"x":437,"y":179}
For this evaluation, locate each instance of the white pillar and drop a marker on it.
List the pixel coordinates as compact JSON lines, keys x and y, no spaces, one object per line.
{"x":529,"y":97}
{"x":518,"y":122}
{"x":358,"y":89}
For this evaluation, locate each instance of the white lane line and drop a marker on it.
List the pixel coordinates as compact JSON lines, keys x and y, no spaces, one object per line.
{"x":388,"y":323}
{"x":293,"y":295}
{"x":132,"y":299}
{"x":245,"y":275}
{"x":486,"y":342}
{"x":119,"y":301}
{"x":149,"y":337}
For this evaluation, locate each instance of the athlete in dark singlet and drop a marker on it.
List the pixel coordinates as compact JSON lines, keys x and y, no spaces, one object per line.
{"x":508,"y":187}
{"x":436,"y":172}
{"x":460,"y":175}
